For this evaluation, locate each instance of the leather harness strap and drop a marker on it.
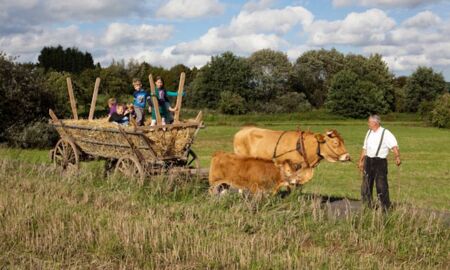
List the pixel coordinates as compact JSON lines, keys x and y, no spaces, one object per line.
{"x":300,"y":148}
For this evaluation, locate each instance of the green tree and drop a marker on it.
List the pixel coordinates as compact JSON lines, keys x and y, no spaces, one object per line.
{"x":440,"y":115}
{"x":70,"y":59}
{"x":351,"y":96}
{"x":373,"y":69}
{"x":423,"y":86}
{"x":313,"y":71}
{"x":270,"y":76}
{"x":225,"y":72}
{"x":23,"y":96}
{"x":115,"y":81}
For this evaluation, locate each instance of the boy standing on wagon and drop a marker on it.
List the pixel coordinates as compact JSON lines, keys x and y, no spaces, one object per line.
{"x":140,"y":100}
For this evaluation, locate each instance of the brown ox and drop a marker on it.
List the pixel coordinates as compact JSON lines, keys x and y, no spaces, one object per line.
{"x":246,"y":173}
{"x":301,"y":148}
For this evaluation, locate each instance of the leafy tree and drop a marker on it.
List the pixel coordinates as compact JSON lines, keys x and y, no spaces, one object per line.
{"x":440,"y":115}
{"x":313,"y":71}
{"x":23,"y":97}
{"x":373,"y":69}
{"x":270,"y":75}
{"x":351,"y":96}
{"x":424,"y":85}
{"x":70,"y":59}
{"x":400,"y":94}
{"x":115,"y":81}
{"x":225,"y":72}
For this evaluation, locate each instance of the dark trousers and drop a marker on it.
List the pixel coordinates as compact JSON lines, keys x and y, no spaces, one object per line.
{"x":375,"y":170}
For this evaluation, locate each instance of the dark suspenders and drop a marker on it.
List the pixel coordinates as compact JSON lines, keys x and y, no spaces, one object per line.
{"x":381,"y":141}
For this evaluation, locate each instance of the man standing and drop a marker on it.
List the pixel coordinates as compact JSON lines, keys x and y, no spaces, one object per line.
{"x":373,"y":162}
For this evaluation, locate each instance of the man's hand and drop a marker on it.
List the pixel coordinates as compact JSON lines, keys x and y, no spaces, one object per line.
{"x":149,"y":109}
{"x":361,"y":164}
{"x":398,"y":161}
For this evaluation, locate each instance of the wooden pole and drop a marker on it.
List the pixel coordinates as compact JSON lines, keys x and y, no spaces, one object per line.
{"x":179,"y":97}
{"x":73,"y":102}
{"x":155,"y":100}
{"x":94,"y":99}
{"x":199,"y":117}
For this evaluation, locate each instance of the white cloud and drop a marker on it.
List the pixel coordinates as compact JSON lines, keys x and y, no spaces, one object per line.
{"x":383,"y":3}
{"x":253,"y":5}
{"x":24,"y":15}
{"x":423,"y":19}
{"x":269,"y":20}
{"x":186,"y":9}
{"x":214,"y":43}
{"x":369,"y":27}
{"x":126,"y":34}
{"x":28,"y":45}
{"x":248,"y":32}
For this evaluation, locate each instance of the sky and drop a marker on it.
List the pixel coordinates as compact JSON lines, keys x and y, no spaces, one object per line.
{"x":407,"y":33}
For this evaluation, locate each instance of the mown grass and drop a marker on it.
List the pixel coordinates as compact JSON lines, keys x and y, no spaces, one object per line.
{"x":81,"y":220}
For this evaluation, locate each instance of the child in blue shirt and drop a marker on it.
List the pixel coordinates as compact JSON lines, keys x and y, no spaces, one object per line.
{"x":140,"y":100}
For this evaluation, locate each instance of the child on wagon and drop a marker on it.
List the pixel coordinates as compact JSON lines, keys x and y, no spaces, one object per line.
{"x":165,"y":109}
{"x":112,"y":103}
{"x":140,"y":100}
{"x":119,"y":116}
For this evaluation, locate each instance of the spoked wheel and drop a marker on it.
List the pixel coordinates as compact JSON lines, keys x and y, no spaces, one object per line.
{"x":66,"y":155}
{"x":130,"y":167}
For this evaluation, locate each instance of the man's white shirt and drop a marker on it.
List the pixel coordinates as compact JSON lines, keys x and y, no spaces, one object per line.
{"x":372,"y":141}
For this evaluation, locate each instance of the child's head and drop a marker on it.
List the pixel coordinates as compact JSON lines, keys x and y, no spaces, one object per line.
{"x":130,"y":106}
{"x":120,"y":108}
{"x":111,"y":102}
{"x":159,"y":82}
{"x":137,"y":84}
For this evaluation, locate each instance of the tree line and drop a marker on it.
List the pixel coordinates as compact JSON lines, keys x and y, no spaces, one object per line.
{"x":350,"y":85}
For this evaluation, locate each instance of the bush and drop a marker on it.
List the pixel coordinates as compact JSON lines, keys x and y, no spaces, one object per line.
{"x":350,"y":96}
{"x":440,"y":115}
{"x":35,"y":135}
{"x":423,"y":85}
{"x":231,"y":103}
{"x":289,"y":102}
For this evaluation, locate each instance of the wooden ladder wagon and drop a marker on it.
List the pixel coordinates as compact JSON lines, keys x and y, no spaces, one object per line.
{"x":135,"y":152}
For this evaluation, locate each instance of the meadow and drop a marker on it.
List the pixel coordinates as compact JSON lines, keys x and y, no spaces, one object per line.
{"x":50,"y":219}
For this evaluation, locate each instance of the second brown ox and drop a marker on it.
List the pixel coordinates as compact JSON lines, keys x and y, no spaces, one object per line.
{"x":304,"y":149}
{"x":229,"y":170}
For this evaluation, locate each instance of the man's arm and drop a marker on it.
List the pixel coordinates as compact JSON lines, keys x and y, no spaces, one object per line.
{"x":361,"y":159}
{"x":397,"y":155}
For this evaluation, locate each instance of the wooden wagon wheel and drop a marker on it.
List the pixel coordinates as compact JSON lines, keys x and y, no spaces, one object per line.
{"x":66,"y":154}
{"x":130,"y":167}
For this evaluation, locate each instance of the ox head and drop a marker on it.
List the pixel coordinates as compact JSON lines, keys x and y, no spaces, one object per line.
{"x":332,"y":147}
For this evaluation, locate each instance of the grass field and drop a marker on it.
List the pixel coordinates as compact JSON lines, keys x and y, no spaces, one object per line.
{"x":83,"y":220}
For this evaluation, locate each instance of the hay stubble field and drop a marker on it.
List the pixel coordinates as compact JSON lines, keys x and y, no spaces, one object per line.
{"x":82,"y":220}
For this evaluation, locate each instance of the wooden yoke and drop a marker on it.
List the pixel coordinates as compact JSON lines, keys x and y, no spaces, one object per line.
{"x":73,"y":102}
{"x":179,"y":97}
{"x":94,"y":99}
{"x":155,"y":100}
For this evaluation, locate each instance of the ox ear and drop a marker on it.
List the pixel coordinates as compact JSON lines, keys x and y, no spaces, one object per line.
{"x":320,"y":138}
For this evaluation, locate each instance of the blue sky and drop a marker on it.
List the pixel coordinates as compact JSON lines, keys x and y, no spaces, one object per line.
{"x":408,"y":33}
